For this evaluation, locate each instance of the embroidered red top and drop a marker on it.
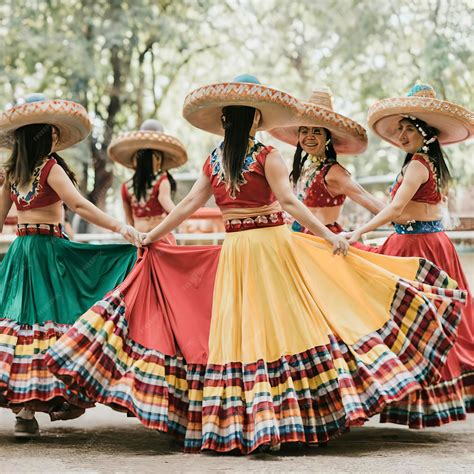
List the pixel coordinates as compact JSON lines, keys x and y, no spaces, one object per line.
{"x":150,"y":207}
{"x":39,"y":193}
{"x":428,"y":192}
{"x":253,"y":191}
{"x":312,"y":189}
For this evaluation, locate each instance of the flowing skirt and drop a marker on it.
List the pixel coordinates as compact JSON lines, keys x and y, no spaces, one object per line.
{"x":46,"y":284}
{"x":453,"y":396}
{"x":269,"y":339}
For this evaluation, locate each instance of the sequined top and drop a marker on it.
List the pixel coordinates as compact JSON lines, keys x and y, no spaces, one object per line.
{"x":253,"y":188}
{"x":311,"y":187}
{"x":37,"y":193}
{"x":150,"y":206}
{"x":428,"y":192}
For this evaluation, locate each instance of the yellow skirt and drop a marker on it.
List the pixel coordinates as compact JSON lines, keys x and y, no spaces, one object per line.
{"x":304,"y":343}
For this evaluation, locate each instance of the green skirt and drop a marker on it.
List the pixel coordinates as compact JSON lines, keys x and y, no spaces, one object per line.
{"x":46,"y":283}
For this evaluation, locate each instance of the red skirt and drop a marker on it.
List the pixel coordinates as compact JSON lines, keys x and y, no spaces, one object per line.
{"x":453,"y":397}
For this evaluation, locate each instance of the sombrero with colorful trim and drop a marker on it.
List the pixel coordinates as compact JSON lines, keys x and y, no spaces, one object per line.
{"x":69,"y":118}
{"x":151,"y":136}
{"x":453,"y":122}
{"x":348,"y":136}
{"x":203,"y":106}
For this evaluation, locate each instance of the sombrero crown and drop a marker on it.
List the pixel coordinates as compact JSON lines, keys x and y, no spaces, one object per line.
{"x":347,"y":135}
{"x":69,"y":118}
{"x":453,"y":122}
{"x":203,"y":106}
{"x":151,"y":136}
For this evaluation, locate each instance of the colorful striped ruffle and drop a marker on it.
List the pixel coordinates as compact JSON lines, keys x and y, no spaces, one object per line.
{"x":313,"y":396}
{"x":110,"y":368}
{"x":24,"y":378}
{"x":309,"y":397}
{"x":442,"y":403}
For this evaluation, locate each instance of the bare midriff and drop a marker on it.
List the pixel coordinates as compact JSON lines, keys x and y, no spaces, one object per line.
{"x":327,"y":215}
{"x":52,"y":214}
{"x":146,"y":224}
{"x":420,"y":211}
{"x":242,"y":213}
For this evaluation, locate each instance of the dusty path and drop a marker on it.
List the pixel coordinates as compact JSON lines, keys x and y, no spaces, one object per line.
{"x":103,"y":441}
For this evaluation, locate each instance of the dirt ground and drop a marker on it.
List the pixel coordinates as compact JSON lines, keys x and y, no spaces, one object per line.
{"x":103,"y":441}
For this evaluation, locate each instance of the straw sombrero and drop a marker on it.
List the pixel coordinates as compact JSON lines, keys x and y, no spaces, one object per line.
{"x":151,"y":136}
{"x":347,"y":135}
{"x":453,"y":122}
{"x":68,"y":117}
{"x":203,"y":106}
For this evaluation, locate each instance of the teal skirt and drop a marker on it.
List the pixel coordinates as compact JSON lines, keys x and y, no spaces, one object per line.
{"x":46,"y":283}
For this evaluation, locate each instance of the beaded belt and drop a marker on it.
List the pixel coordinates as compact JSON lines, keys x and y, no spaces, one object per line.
{"x":40,"y":229}
{"x":334,"y":227}
{"x":419,"y":227}
{"x":255,"y":222}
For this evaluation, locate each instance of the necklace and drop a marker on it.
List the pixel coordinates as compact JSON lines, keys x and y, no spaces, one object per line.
{"x":316,"y":159}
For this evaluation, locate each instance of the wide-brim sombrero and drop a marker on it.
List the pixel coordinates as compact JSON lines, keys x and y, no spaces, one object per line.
{"x":150,"y":137}
{"x":453,"y":122}
{"x":203,"y":106}
{"x":348,"y":136}
{"x":69,"y":118}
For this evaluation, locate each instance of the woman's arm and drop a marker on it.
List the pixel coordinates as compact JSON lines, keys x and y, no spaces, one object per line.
{"x":415,"y":175}
{"x":339,"y":181}
{"x":5,"y":204}
{"x":196,"y":198}
{"x":276,"y":173}
{"x":62,"y":185}
{"x":164,"y":196}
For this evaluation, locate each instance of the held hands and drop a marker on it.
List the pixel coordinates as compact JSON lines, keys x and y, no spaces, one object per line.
{"x":352,"y":237}
{"x":340,"y":245}
{"x":131,"y":234}
{"x":145,"y":238}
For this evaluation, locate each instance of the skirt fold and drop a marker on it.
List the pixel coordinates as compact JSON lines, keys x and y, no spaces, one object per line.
{"x":47,"y":283}
{"x":451,"y":397}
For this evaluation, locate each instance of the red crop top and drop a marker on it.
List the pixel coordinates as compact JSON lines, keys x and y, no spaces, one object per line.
{"x":39,"y":193}
{"x":254,"y":190}
{"x":149,"y":208}
{"x":312,"y":189}
{"x":428,"y":192}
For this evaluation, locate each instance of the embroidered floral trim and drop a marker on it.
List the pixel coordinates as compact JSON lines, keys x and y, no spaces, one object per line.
{"x":33,"y":188}
{"x":215,"y":162}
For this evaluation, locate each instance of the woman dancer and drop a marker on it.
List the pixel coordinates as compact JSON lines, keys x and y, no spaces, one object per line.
{"x":277,"y":340}
{"x":318,"y":179}
{"x":151,"y":153}
{"x":419,"y":124}
{"x":46,"y":281}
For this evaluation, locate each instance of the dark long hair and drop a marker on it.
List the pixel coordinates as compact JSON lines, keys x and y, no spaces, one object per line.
{"x":299,"y":159}
{"x":237,"y":122}
{"x":32,"y":144}
{"x":435,"y":153}
{"x":144,"y":174}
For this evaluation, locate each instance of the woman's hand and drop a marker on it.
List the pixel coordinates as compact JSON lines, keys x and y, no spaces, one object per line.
{"x":352,"y":237}
{"x":145,"y":238}
{"x":131,"y":234}
{"x":339,"y":244}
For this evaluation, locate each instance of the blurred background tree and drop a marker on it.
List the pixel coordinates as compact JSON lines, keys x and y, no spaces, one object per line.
{"x":126,"y":61}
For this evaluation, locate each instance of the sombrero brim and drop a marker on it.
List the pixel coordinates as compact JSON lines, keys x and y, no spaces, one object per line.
{"x":203,"y":106}
{"x":349,"y":137}
{"x":123,"y":148}
{"x":454,"y":123}
{"x":68,"y":117}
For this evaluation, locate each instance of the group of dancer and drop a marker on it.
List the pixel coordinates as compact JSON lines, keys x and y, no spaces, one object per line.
{"x":280,"y":335}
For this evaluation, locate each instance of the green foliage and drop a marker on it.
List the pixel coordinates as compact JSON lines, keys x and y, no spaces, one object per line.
{"x":127,"y":61}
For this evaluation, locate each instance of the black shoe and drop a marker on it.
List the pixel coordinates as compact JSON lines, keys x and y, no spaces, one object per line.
{"x":26,"y":428}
